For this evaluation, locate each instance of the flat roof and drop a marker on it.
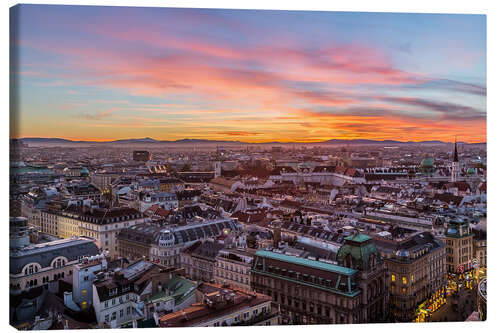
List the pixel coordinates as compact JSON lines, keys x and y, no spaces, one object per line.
{"x":49,"y":246}
{"x":306,"y":262}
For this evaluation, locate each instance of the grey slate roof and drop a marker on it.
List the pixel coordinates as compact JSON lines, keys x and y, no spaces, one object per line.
{"x":46,"y":252}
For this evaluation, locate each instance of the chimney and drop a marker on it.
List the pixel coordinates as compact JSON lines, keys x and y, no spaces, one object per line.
{"x":68,"y":297}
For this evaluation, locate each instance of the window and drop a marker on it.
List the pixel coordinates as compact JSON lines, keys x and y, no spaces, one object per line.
{"x":216,"y":324}
{"x":128,"y":310}
{"x":121,"y":313}
{"x":106,"y":318}
{"x":255,"y":312}
{"x":404,"y":279}
{"x":393,"y":278}
{"x":84,"y":292}
{"x":246,"y":315}
{"x":106,"y":304}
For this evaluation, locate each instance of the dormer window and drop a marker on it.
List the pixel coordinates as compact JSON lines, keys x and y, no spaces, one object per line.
{"x":113,"y":291}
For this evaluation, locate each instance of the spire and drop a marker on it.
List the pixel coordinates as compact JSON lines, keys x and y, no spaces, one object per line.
{"x":455,"y":153}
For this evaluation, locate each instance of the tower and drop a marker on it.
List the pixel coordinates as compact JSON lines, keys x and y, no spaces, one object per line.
{"x":217,"y":165}
{"x":455,"y":165}
{"x":217,"y":169}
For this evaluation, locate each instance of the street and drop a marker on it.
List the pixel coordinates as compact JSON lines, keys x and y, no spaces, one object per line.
{"x":458,"y":306}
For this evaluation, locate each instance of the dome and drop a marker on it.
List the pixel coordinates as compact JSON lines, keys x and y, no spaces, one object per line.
{"x":358,"y":252}
{"x":84,"y":171}
{"x":402,"y":253}
{"x":427,"y":163}
{"x":471,"y":171}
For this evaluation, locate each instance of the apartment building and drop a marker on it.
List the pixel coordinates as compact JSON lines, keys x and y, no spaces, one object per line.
{"x":459,"y":247}
{"x":416,"y":265}
{"x":233,"y":266}
{"x":221,"y":306}
{"x":123,"y":297}
{"x":39,"y":264}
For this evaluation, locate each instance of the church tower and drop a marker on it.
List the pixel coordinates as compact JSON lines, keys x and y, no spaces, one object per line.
{"x":217,"y":165}
{"x":455,"y":165}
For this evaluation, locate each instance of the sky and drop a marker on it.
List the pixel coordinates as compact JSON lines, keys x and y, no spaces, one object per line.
{"x":107,"y":73}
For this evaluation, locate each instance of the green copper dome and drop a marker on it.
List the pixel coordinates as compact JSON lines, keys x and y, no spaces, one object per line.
{"x":84,"y":171}
{"x":358,"y":252}
{"x":427,"y":163}
{"x":471,"y":171}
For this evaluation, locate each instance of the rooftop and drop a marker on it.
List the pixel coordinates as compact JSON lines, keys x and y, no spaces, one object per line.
{"x":306,"y":262}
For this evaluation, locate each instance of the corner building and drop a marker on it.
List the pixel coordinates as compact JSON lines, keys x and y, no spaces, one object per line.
{"x":318,"y":292}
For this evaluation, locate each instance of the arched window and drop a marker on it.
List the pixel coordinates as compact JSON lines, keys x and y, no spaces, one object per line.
{"x":348,"y":261}
{"x":372,"y":261}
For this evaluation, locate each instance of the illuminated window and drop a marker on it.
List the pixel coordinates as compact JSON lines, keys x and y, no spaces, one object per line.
{"x":404,"y":280}
{"x":84,"y":292}
{"x":412,"y":278}
{"x":393,"y":278}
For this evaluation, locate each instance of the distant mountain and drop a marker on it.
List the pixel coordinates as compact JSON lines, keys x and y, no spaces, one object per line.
{"x":148,"y":140}
{"x":203,"y":141}
{"x":367,"y":141}
{"x":46,"y":140}
{"x":143,"y":140}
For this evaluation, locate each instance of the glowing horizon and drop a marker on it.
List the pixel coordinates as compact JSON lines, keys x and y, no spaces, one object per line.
{"x":110,"y":73}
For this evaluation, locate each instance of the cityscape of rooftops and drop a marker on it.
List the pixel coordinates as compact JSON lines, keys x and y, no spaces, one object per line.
{"x":182,"y":167}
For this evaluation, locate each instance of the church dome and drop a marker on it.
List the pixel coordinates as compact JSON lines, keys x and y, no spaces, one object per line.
{"x":427,"y":163}
{"x":471,"y":171}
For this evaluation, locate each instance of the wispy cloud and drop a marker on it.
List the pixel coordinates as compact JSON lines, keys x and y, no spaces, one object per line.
{"x":203,"y":68}
{"x":95,"y":116}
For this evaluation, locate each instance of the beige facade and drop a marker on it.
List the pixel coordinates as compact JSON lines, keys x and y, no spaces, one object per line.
{"x":480,"y":251}
{"x":459,"y":247}
{"x":49,"y":223}
{"x":233,"y":268}
{"x":68,"y":224}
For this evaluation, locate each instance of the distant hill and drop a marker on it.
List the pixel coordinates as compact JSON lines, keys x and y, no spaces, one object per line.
{"x":148,"y":140}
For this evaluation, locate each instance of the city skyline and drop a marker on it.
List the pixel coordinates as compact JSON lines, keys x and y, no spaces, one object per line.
{"x":108,"y":73}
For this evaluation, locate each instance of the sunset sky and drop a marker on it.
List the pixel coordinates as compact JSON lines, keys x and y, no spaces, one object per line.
{"x":105,"y":73}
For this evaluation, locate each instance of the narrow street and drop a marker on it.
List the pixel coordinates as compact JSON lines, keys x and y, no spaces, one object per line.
{"x":458,"y":307}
